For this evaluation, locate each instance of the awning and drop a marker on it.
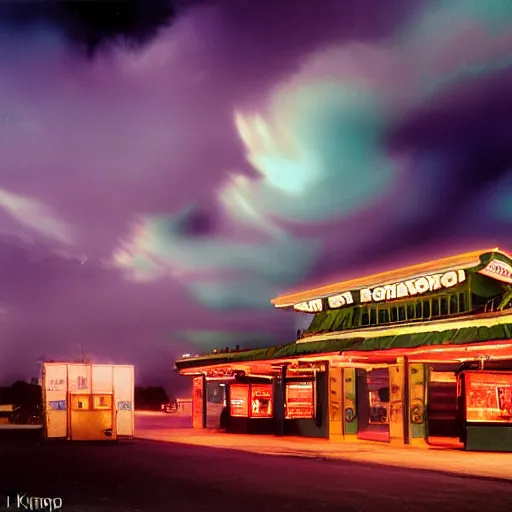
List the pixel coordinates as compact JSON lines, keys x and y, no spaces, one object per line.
{"x":411,"y":340}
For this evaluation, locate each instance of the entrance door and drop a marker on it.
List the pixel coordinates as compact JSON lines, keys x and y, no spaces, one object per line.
{"x":92,"y":418}
{"x":442,"y":406}
{"x":372,"y":389}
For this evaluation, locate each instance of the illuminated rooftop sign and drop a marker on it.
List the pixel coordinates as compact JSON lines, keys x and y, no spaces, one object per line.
{"x":404,"y":289}
{"x":498,"y":270}
{"x":413,"y":287}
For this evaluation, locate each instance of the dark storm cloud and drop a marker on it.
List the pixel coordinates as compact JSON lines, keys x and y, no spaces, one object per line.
{"x":90,"y":24}
{"x":464,"y":134}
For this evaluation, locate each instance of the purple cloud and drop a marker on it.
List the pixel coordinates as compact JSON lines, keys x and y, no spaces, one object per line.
{"x":152,"y":201}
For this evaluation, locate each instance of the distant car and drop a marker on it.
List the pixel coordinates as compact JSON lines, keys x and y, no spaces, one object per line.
{"x":169,"y":408}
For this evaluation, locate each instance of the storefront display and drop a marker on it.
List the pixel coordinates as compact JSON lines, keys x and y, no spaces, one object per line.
{"x":239,"y":400}
{"x":488,"y":397}
{"x":261,"y":400}
{"x":300,"y":400}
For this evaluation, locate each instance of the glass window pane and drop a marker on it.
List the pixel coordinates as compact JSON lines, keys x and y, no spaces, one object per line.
{"x":393,"y":317}
{"x":411,"y":312}
{"x":454,"y":304}
{"x":365,"y":317}
{"x":383,"y":316}
{"x":401,"y":314}
{"x":373,"y":316}
{"x":462,"y":302}
{"x":444,"y":306}
{"x":419,"y":310}
{"x":435,"y":307}
{"x":426,"y":309}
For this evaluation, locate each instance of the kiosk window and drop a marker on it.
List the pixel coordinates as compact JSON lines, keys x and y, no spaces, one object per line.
{"x":365,"y":317}
{"x":261,"y":400}
{"x":435,"y":307}
{"x":239,"y":400}
{"x":401,"y":313}
{"x":419,"y":310}
{"x":410,"y":312}
{"x":373,"y":316}
{"x":300,"y":400}
{"x":102,"y":402}
{"x":80,"y":402}
{"x":426,"y":309}
{"x":488,"y":397}
{"x":394,"y":314}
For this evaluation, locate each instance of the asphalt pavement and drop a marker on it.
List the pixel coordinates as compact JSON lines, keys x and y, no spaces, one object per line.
{"x":142,"y":475}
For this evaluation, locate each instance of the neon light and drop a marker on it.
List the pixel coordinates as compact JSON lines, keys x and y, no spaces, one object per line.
{"x":498,"y":270}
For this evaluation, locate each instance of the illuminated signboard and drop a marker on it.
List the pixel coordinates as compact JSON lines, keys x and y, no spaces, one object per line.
{"x":498,"y":270}
{"x":489,"y":397}
{"x":340,"y":300}
{"x":300,"y":400}
{"x":239,"y":400}
{"x":313,"y":306}
{"x":413,"y":287}
{"x":261,"y":400}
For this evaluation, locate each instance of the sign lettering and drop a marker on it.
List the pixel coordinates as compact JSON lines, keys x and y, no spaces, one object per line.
{"x":413,"y":287}
{"x":313,"y":306}
{"x":340,"y":300}
{"x":499,"y":270}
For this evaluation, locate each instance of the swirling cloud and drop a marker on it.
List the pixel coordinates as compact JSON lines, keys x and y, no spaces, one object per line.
{"x":35,"y":215}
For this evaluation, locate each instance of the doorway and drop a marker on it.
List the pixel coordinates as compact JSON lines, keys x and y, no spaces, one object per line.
{"x":92,"y":418}
{"x":372,"y":389}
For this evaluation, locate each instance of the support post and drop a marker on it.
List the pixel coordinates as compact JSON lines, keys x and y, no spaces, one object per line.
{"x":350,"y":413}
{"x":417,"y":388}
{"x":279,"y":398}
{"x":397,"y":402}
{"x":205,"y":399}
{"x":335,"y":403}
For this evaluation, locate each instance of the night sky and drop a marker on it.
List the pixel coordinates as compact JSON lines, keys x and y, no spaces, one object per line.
{"x":166,"y":169}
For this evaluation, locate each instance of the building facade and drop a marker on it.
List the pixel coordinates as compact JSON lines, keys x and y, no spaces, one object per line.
{"x":418,"y":355}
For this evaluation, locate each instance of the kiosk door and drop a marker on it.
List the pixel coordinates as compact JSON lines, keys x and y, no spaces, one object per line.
{"x":92,"y":418}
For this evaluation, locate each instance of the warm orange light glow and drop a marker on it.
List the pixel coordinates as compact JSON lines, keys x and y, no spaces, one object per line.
{"x":261,"y":400}
{"x":300,"y":400}
{"x":239,"y":400}
{"x":488,"y":397}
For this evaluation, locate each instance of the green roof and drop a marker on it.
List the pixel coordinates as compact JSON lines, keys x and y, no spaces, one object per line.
{"x":414,"y":340}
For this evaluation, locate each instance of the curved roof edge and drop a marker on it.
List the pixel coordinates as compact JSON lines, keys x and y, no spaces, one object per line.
{"x":461,"y":261}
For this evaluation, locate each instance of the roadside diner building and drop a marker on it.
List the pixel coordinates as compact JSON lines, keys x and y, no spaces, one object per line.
{"x":418,"y":355}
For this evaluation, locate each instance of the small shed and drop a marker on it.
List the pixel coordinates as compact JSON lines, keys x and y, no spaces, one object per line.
{"x":88,"y":402}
